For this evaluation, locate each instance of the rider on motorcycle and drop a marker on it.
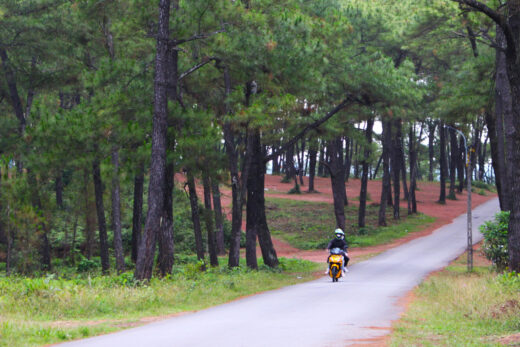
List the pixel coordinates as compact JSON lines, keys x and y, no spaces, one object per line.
{"x":339,"y":242}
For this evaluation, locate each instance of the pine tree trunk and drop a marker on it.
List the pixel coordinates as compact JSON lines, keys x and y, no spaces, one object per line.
{"x":116,"y":214}
{"x":513,"y":72}
{"x":396,"y":165}
{"x":237,"y":182}
{"x":412,"y":201}
{"x":356,"y":161}
{"x":195,"y":216}
{"x":460,"y":165}
{"x":503,"y":117}
{"x":348,"y":157}
{"x":403,"y":166}
{"x":337,"y":178}
{"x":454,"y":145}
{"x":386,"y":182}
{"x":256,"y":219}
{"x":89,"y":218}
{"x":364,"y":177}
{"x":146,"y":254}
{"x":208,"y":219}
{"x":431,"y":153}
{"x":289,"y":165}
{"x":312,"y":164}
{"x":100,"y":209}
{"x":219,"y":224}
{"x":137,"y":211}
{"x":482,"y":160}
{"x":166,"y":258}
{"x":301,"y":169}
{"x":321,"y":161}
{"x":442,"y":131}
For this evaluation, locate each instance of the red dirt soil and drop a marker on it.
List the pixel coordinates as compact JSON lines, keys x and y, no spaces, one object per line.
{"x":426,"y":195}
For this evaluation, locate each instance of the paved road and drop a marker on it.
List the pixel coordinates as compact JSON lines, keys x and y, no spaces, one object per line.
{"x":318,"y":313}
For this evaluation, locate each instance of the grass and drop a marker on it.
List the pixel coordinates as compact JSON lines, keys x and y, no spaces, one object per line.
{"x":309,"y":225}
{"x":457,"y":308}
{"x":51,"y":309}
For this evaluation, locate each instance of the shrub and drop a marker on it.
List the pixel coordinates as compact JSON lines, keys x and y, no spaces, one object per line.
{"x":87,"y":265}
{"x":481,"y":185}
{"x":295,"y":189}
{"x":495,"y":240}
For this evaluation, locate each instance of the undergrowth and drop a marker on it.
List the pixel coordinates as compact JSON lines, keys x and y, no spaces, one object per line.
{"x":457,"y":308}
{"x":50,"y":309}
{"x":310,"y":225}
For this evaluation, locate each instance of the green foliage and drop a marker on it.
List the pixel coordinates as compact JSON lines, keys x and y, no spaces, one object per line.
{"x":457,"y":308}
{"x":88,"y":265}
{"x":50,"y":309}
{"x":495,"y":240}
{"x":310,"y":225}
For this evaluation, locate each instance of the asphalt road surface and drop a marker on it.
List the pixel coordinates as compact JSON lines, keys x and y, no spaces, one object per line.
{"x":360,"y":306}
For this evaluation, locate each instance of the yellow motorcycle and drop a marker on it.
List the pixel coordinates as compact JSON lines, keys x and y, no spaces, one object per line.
{"x":335,"y":263}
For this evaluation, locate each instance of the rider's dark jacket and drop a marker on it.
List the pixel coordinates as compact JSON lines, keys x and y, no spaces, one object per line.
{"x":338,"y":243}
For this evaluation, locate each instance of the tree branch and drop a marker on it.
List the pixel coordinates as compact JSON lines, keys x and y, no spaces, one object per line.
{"x":491,"y":43}
{"x":196,"y":37}
{"x":196,"y":67}
{"x":349,"y":99}
{"x":497,"y":18}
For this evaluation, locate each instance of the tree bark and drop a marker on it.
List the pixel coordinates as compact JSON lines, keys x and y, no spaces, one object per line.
{"x":256,"y":219}
{"x":312,"y":164}
{"x":413,"y":147}
{"x":116,"y":214}
{"x":396,"y":164}
{"x":165,"y":236}
{"x":454,"y":146}
{"x":208,"y":219}
{"x":337,"y":178}
{"x":321,"y":167}
{"x":137,"y":214}
{"x":504,"y":125}
{"x":100,"y":210}
{"x":460,"y":163}
{"x":490,"y":123}
{"x":431,"y":153}
{"x":237,"y":182}
{"x":364,"y":177}
{"x":289,"y":165}
{"x":195,"y":216}
{"x":442,"y":131}
{"x":385,"y":190}
{"x":146,"y":254}
{"x":89,"y":218}
{"x":219,"y":224}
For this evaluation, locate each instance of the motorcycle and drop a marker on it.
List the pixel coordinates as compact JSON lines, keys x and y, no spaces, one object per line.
{"x":335,"y":263}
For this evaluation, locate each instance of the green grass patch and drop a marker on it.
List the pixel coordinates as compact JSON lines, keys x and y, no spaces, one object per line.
{"x":51,"y":309}
{"x":310,"y":225}
{"x":457,"y":308}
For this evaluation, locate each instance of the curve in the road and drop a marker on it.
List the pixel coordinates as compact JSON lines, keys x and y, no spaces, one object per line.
{"x":318,"y":313}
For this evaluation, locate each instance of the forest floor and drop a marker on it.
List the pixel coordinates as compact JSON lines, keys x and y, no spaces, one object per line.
{"x":427,"y":196}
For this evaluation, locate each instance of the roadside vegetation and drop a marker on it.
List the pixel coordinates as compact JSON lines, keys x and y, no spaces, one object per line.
{"x":309,"y":225}
{"x":457,"y":308}
{"x":55,"y":308}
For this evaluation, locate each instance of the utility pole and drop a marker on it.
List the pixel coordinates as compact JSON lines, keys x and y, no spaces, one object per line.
{"x":468,"y":188}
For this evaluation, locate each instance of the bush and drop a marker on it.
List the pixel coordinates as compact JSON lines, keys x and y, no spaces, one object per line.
{"x":495,"y":240}
{"x":481,"y":185}
{"x":87,"y":265}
